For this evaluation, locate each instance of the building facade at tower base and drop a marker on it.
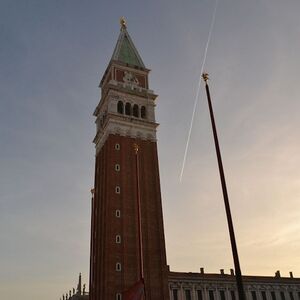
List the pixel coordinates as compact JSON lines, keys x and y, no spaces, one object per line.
{"x":202,"y":286}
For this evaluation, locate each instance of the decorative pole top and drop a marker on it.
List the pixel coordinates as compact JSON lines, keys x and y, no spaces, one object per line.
{"x":123,"y":23}
{"x":205,"y":77}
{"x":136,"y":148}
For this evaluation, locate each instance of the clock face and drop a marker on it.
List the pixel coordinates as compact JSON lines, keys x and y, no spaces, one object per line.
{"x":130,"y":78}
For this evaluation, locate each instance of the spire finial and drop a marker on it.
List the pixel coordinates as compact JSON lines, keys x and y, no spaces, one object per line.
{"x":205,"y":76}
{"x":79,"y":285}
{"x":136,"y":148}
{"x":123,"y":23}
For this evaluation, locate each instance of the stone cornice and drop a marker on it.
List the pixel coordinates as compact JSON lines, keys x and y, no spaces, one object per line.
{"x":119,"y":125}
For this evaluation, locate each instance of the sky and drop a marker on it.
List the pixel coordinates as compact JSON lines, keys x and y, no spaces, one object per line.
{"x":52,"y":57}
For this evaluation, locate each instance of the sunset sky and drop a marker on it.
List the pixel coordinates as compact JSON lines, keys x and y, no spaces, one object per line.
{"x":52,"y":56}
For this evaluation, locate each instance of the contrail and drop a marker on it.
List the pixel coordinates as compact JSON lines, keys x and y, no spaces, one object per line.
{"x":198,"y":88}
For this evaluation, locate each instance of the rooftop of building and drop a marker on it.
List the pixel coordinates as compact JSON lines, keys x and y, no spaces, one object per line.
{"x":230,"y":277}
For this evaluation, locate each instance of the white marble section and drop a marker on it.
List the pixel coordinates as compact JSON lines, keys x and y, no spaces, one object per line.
{"x":110,"y":121}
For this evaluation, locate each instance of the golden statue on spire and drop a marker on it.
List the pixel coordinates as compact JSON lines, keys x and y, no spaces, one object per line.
{"x":136,"y":148}
{"x":123,"y":23}
{"x":205,"y":76}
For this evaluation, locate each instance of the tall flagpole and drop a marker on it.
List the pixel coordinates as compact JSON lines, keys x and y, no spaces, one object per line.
{"x":238,"y":273}
{"x":138,"y":197}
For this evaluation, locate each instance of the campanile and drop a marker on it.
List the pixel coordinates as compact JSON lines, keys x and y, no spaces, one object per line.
{"x":125,"y":117}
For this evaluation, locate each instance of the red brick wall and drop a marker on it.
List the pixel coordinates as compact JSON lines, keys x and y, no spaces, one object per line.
{"x":105,"y":280}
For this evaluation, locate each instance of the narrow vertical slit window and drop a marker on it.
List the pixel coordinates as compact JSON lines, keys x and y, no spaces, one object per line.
{"x":118,"y":239}
{"x":117,"y":167}
{"x":118,"y":213}
{"x":118,"y":267}
{"x":118,"y":296}
{"x":117,"y":146}
{"x":117,"y":189}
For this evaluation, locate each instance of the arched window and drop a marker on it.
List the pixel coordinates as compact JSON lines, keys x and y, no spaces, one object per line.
{"x":120,"y":107}
{"x":135,"y":110}
{"x":143,"y":112}
{"x":128,"y":109}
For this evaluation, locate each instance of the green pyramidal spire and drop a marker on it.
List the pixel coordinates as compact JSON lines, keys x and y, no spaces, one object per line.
{"x":125,"y":50}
